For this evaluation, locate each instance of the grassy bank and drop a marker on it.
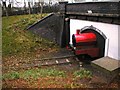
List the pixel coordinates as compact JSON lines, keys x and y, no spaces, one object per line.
{"x":16,"y":39}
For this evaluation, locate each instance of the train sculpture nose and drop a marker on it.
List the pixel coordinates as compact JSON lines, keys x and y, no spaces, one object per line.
{"x":85,"y":43}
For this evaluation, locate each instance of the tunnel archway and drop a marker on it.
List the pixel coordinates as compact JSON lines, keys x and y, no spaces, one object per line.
{"x":101,"y":38}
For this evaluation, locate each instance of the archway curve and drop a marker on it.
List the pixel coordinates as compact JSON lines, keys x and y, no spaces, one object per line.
{"x":95,"y":29}
{"x":101,"y":38}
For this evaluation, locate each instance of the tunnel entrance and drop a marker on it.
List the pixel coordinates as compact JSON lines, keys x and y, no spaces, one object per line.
{"x":101,"y":38}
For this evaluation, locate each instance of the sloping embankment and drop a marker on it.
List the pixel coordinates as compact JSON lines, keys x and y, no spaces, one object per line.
{"x":50,"y":27}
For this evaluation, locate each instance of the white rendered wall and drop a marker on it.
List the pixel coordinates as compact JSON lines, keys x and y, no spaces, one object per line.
{"x":110,"y":30}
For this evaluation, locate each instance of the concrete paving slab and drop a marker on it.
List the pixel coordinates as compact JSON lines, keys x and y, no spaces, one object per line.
{"x":107,"y":63}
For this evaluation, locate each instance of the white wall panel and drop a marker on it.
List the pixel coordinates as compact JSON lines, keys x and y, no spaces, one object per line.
{"x":110,"y":30}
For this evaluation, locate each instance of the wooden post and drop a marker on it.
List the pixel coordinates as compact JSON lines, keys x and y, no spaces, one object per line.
{"x":41,"y":6}
{"x":5,"y":7}
{"x":29,"y":6}
{"x":24,"y":6}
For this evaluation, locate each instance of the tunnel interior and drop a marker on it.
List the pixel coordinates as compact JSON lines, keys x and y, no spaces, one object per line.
{"x":100,"y":41}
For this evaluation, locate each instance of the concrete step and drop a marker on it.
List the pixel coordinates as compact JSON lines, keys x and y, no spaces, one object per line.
{"x":107,"y":65}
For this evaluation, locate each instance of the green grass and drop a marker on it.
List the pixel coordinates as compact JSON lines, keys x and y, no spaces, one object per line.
{"x":82,"y":73}
{"x":34,"y":74}
{"x":40,"y":72}
{"x":16,"y":39}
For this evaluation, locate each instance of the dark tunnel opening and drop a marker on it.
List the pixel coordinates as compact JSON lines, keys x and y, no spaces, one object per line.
{"x":100,"y":41}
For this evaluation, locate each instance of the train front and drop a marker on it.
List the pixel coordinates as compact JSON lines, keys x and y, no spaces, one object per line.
{"x":85,"y":43}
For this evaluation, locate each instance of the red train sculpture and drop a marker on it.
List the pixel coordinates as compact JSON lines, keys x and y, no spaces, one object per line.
{"x":85,"y":43}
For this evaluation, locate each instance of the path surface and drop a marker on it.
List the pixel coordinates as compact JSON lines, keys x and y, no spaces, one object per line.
{"x":68,"y":64}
